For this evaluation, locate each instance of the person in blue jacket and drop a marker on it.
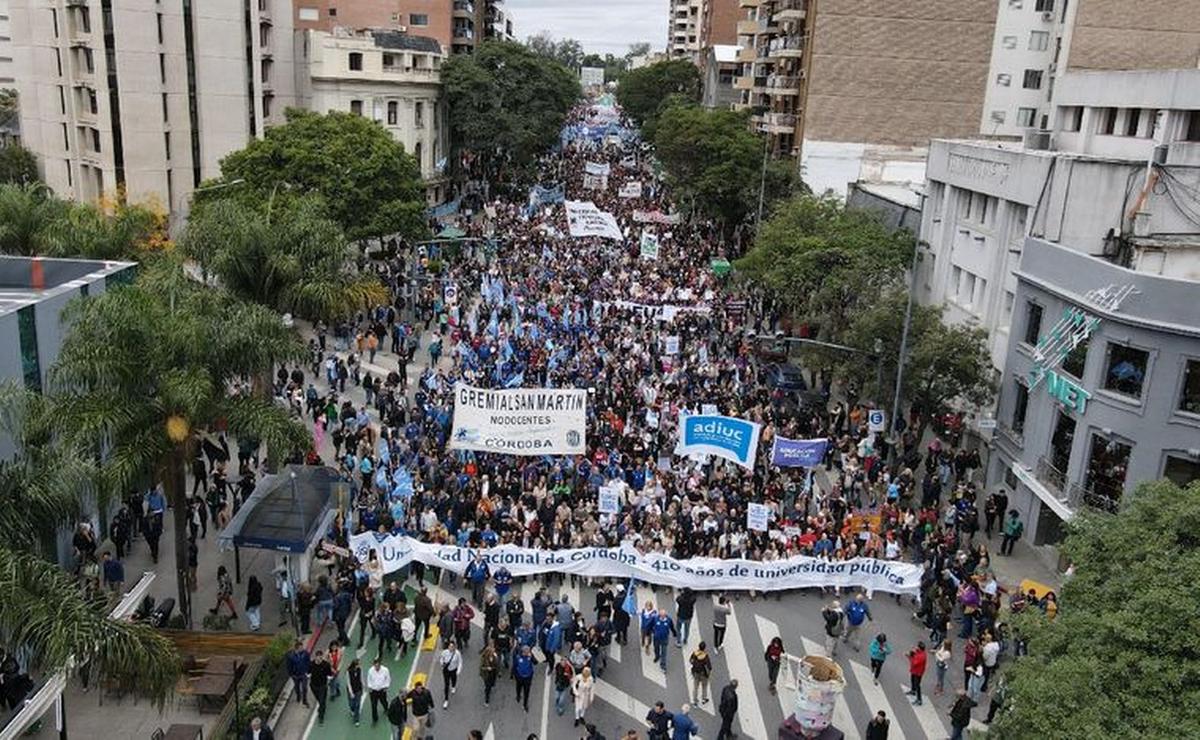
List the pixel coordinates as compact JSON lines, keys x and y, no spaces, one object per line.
{"x":554,"y":641}
{"x":858,"y":613}
{"x":478,"y":573}
{"x":662,"y":630}
{"x":880,"y":649}
{"x":522,"y":671}
{"x":502,"y":579}
{"x":683,"y":726}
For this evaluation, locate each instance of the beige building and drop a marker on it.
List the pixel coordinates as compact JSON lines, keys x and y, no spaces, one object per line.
{"x":150,"y":108}
{"x":774,"y":36}
{"x":457,"y":25}
{"x":393,"y":78}
{"x":7,"y":76}
{"x":683,"y":29}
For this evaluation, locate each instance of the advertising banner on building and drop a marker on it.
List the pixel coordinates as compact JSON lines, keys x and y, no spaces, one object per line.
{"x":723,"y":436}
{"x":584,"y":219}
{"x":798,"y":453}
{"x":624,"y":562}
{"x":520,"y":421}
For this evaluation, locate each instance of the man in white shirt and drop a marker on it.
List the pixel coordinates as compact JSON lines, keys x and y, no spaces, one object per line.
{"x":379,"y":680}
{"x":991,"y":655}
{"x":451,"y":662}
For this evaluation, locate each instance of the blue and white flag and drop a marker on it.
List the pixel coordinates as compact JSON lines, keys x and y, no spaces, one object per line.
{"x":630,"y":606}
{"x":722,"y":436}
{"x":798,"y":453}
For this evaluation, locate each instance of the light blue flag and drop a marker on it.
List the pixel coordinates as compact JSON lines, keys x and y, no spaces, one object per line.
{"x":630,"y":606}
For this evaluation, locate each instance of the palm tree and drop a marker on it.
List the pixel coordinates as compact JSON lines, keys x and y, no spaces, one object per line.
{"x":147,"y":367}
{"x":26,"y":215}
{"x":120,"y":231}
{"x":292,"y":259}
{"x":42,"y":608}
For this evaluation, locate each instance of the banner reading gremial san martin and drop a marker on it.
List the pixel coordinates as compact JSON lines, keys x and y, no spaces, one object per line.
{"x":702,"y":574}
{"x":723,"y":436}
{"x":520,"y":421}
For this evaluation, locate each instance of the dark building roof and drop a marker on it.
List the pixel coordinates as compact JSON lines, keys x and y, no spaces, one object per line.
{"x":285,"y":509}
{"x":403,"y":41}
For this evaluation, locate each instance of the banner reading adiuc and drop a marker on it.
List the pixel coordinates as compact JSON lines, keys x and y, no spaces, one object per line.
{"x":723,"y":436}
{"x":702,"y":574}
{"x":520,"y":421}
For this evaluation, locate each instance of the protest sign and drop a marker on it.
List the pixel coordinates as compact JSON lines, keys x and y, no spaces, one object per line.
{"x":585,"y":219}
{"x":631,"y":189}
{"x":723,"y":436}
{"x":709,"y":409}
{"x":876,"y":420}
{"x":757,"y":517}
{"x":610,"y":499}
{"x":656,"y":217}
{"x":671,"y":345}
{"x":595,"y":182}
{"x":649,"y":245}
{"x":395,"y":551}
{"x":798,"y":453}
{"x":521,"y":421}
{"x":597,"y":168}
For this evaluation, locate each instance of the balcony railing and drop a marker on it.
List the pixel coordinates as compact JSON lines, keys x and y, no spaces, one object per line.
{"x":790,"y":8}
{"x":1055,"y":479}
{"x":460,"y":6}
{"x":778,"y":81}
{"x":786,"y":43}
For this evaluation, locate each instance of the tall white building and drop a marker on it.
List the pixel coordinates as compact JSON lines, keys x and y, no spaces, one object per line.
{"x":146,"y":97}
{"x":7,"y":75}
{"x":683,"y":30}
{"x":393,"y":78}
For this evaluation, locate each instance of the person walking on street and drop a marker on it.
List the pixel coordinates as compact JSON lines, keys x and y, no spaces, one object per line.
{"x":564,"y":678}
{"x":318,"y":681}
{"x":999,"y":696}
{"x":880,"y":649}
{"x":774,"y":658}
{"x":298,"y":665}
{"x":685,"y":609}
{"x":397,"y":714}
{"x":489,"y":670}
{"x":960,"y":714}
{"x":858,"y":613}
{"x":721,"y":611}
{"x":727,"y":708}
{"x":451,"y":662}
{"x":522,"y":671}
{"x":833,"y":617}
{"x":478,"y":574}
{"x":942,"y":658}
{"x":420,"y":709}
{"x":662,"y":630}
{"x":1013,"y":528}
{"x":254,"y":598}
{"x":335,"y":663}
{"x":877,"y":728}
{"x":379,"y":680}
{"x":683,"y":726}
{"x":423,"y":611}
{"x":461,"y":617}
{"x":354,"y":690}
{"x":583,"y":688}
{"x":701,"y":673}
{"x":917,"y":659}
{"x":658,"y":722}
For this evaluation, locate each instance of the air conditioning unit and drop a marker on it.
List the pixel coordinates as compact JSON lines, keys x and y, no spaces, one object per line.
{"x":1037,"y":139}
{"x":1048,"y":16}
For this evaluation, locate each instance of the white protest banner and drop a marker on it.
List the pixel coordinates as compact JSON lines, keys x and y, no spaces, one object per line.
{"x":791,"y":531}
{"x":632,"y":189}
{"x":595,"y":182}
{"x":649,"y":246}
{"x":597,"y":168}
{"x":757,"y":516}
{"x":585,"y":219}
{"x":671,"y":345}
{"x":520,"y":421}
{"x":656,"y":217}
{"x":669,"y":313}
{"x":610,"y":499}
{"x":658,"y":313}
{"x":709,"y":409}
{"x":623,"y":562}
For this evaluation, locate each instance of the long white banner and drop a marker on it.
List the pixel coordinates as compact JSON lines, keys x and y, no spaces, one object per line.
{"x":585,"y":219}
{"x":702,"y":574}
{"x":520,"y":421}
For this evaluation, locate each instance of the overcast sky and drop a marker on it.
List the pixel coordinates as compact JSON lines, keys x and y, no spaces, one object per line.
{"x":602,"y":26}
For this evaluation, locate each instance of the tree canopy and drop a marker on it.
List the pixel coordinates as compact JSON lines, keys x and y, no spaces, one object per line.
{"x":371,"y":186}
{"x":33,"y":221}
{"x":17,"y":165}
{"x":1121,"y":657}
{"x":567,"y":52}
{"x":644,"y":92}
{"x":714,"y":162}
{"x":507,"y":103}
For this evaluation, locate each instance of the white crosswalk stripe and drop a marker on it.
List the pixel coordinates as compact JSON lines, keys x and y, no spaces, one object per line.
{"x":650,"y":669}
{"x":749,"y":714}
{"x":622,"y":701}
{"x":927,"y":715}
{"x":872,"y":692}
{"x":692,"y":644}
{"x":785,"y":692}
{"x":842,"y":719}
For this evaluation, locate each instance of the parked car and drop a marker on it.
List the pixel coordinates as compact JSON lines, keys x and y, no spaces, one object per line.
{"x":784,"y":377}
{"x":771,"y":350}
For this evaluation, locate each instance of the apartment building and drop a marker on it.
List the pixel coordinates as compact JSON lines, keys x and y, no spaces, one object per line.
{"x":144,"y":98}
{"x":394,"y":78}
{"x":457,"y":25}
{"x":7,"y":75}
{"x":683,"y":30}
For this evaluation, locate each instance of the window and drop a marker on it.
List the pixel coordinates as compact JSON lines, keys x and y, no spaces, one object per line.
{"x":998,"y":116}
{"x":1072,"y":119}
{"x":1020,"y":407}
{"x":333,"y":12}
{"x":70,"y":177}
{"x":66,"y":138}
{"x":1025,"y":116}
{"x":31,"y":366}
{"x":356,"y":61}
{"x":1016,"y":230}
{"x":956,"y":274}
{"x":389,"y":60}
{"x":160,"y":27}
{"x":419,"y":115}
{"x":1032,"y":80}
{"x":1003,"y":79}
{"x":356,"y":107}
{"x":58,"y":61}
{"x":1009,"y":42}
{"x":1181,"y":471}
{"x":95,"y":139}
{"x":266,"y":106}
{"x":162,"y":68}
{"x":417,"y":155}
{"x":1076,"y":360}
{"x":166,"y":115}
{"x":310,"y":14}
{"x":1044,"y":6}
{"x":1106,"y":470}
{"x":1151,"y":122}
{"x":167,"y":144}
{"x":1039,"y":40}
{"x":418,"y":19}
{"x":1108,"y":121}
{"x":1060,"y":446}
{"x":62,"y":100}
{"x":1010,"y":298}
{"x":1189,"y":397}
{"x":393,"y":112}
{"x":1033,"y":323}
{"x":54,"y":21}
{"x":1133,"y":118}
{"x":1126,"y":369}
{"x":1191,"y":131}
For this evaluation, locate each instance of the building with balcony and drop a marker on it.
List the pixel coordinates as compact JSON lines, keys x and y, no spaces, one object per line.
{"x":773,"y":69}
{"x":718,"y":71}
{"x":1101,"y":389}
{"x":392,"y":77}
{"x":7,"y":73}
{"x":683,"y":29}
{"x":145,"y":98}
{"x":457,"y":25}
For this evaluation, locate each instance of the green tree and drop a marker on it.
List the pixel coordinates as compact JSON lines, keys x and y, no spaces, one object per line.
{"x":567,"y":52}
{"x":713,"y":162}
{"x":296,"y":261}
{"x":643,"y":92}
{"x":118,"y":231}
{"x":42,"y":608}
{"x":146,"y":367}
{"x":17,"y":165}
{"x":945,"y":363}
{"x":26,"y":215}
{"x":507,"y":104}
{"x":1120,"y":659}
{"x":824,"y":262}
{"x":372,"y":187}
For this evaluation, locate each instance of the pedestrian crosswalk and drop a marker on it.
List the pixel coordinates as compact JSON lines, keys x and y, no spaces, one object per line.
{"x":842,"y":719}
{"x":750,"y":715}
